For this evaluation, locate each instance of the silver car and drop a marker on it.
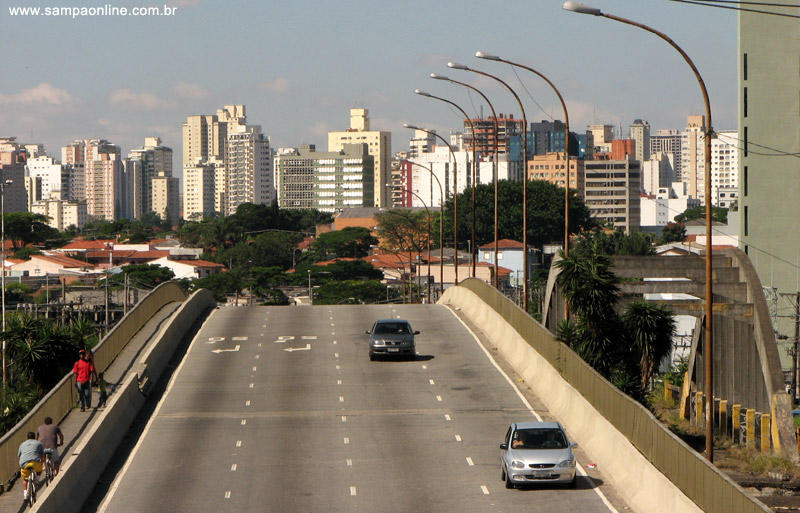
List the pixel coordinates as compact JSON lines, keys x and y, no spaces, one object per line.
{"x":392,"y":337}
{"x":537,"y":452}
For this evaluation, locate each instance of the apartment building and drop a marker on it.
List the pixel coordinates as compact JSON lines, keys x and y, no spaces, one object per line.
{"x":552,"y":168}
{"x":640,"y":133}
{"x":142,"y":166}
{"x":484,"y":138}
{"x":328,"y":181}
{"x":612,"y":192}
{"x":248,"y":168}
{"x":12,"y":172}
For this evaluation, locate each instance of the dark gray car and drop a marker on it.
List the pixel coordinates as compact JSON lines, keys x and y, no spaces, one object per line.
{"x":392,"y":337}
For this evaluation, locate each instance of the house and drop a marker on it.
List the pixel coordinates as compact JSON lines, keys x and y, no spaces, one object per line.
{"x":189,"y":268}
{"x":54,"y":264}
{"x":510,"y":257}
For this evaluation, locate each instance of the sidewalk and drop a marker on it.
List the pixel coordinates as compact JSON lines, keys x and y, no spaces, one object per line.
{"x":76,"y":423}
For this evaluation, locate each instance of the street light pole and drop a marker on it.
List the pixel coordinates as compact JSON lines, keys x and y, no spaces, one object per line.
{"x":310,"y":292}
{"x":709,"y":310}
{"x":441,"y":222}
{"x":524,"y":175}
{"x":3,"y":275}
{"x":428,"y":212}
{"x":474,"y":164}
{"x":494,"y":166}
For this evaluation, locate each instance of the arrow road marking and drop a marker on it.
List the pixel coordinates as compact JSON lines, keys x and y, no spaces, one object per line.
{"x":283,"y":339}
{"x":214,"y":340}
{"x":307,"y":348}
{"x":227,"y":350}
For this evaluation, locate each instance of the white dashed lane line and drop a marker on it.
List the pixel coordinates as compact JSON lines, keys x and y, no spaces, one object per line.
{"x":470,"y":462}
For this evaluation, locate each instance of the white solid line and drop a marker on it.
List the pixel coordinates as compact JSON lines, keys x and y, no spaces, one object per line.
{"x":528,"y":405}
{"x":228,"y":494}
{"x":458,"y":438}
{"x":238,"y":443}
{"x":470,"y":462}
{"x":352,"y":490}
{"x":485,"y":490}
{"x":233,"y":467}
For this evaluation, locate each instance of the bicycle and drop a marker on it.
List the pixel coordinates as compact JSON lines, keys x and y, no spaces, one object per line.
{"x":50,"y":468}
{"x":32,"y":484}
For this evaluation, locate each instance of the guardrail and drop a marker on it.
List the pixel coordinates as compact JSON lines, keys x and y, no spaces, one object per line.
{"x":61,"y":399}
{"x":699,"y":480}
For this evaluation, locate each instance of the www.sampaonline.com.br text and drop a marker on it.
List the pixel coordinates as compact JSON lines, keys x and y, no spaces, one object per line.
{"x":103,"y":10}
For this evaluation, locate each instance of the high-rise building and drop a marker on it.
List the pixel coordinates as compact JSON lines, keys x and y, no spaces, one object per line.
{"x":669,"y":143}
{"x":62,"y":214}
{"x":199,"y":191}
{"x":54,"y":177}
{"x":379,"y":144}
{"x":724,"y":168}
{"x":552,"y":168}
{"x":612,"y":192}
{"x":422,"y":142}
{"x":143,"y":165}
{"x":656,"y":173}
{"x":248,"y":168}
{"x":640,"y":132}
{"x":484,"y":137}
{"x":602,"y":136}
{"x":12,"y":171}
{"x":693,"y":152}
{"x":327,"y":181}
{"x":105,"y":190}
{"x":165,"y":201}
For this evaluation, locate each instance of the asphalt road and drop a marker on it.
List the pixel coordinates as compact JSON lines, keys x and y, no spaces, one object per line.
{"x":279,"y":409}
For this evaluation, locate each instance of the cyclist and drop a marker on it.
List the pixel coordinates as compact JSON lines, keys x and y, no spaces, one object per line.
{"x":51,"y":437}
{"x":31,"y":458}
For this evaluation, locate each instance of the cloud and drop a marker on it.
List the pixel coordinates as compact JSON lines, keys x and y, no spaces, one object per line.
{"x":280,"y":85}
{"x":126,"y":98}
{"x":43,"y":93}
{"x":191,"y":91}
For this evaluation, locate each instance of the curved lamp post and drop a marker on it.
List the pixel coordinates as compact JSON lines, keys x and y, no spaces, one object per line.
{"x":473,"y":249}
{"x":441,"y":221}
{"x":455,"y":194}
{"x":709,"y":311}
{"x":524,"y":176}
{"x":494,"y":164}
{"x":3,"y":185}
{"x":487,"y":56}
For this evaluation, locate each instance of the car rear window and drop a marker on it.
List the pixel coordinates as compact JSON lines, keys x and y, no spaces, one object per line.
{"x":393,"y":328}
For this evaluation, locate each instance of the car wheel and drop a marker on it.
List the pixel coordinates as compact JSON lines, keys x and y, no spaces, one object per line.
{"x":502,"y":473}
{"x":509,"y":484}
{"x":372,"y":357}
{"x":572,"y":483}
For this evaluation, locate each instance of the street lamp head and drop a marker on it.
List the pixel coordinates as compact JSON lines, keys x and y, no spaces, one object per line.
{"x":436,"y":76}
{"x":411,"y":127}
{"x":581,"y":8}
{"x":487,"y":56}
{"x":422,"y":93}
{"x":9,"y":182}
{"x":456,"y":65}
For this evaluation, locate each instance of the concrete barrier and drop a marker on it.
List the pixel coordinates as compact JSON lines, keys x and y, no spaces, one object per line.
{"x":155,"y":358}
{"x":633,"y":476}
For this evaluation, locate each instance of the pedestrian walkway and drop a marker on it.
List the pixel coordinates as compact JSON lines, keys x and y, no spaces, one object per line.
{"x":77,"y":423}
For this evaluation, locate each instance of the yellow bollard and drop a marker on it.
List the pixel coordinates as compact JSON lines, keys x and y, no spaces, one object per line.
{"x":667,"y":391}
{"x":723,"y":418}
{"x":750,"y":428}
{"x":736,"y":424}
{"x":699,"y":405}
{"x":765,"y":431}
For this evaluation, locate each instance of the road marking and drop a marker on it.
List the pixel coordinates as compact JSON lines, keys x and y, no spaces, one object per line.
{"x":247,"y":403}
{"x":336,"y":355}
{"x":346,"y":441}
{"x":258,"y":356}
{"x":264,"y":326}
{"x":233,"y":467}
{"x":334,"y":342}
{"x":341,"y":398}
{"x":349,"y":462}
{"x":234,"y":350}
{"x":470,"y":462}
{"x":338,"y":367}
{"x":439,"y":398}
{"x":259,"y":344}
{"x":458,"y":438}
{"x":424,"y":366}
{"x":255,"y":368}
{"x":430,"y":381}
{"x":239,"y":338}
{"x":244,"y":422}
{"x":352,"y":490}
{"x":228,"y":494}
{"x":308,"y":337}
{"x":446,"y":417}
{"x":252,"y":385}
{"x":292,"y":349}
{"x":344,"y":418}
{"x":238,"y":443}
{"x":526,"y":403}
{"x":284,"y":338}
{"x":212,"y":340}
{"x":485,"y":490}
{"x":338,"y":381}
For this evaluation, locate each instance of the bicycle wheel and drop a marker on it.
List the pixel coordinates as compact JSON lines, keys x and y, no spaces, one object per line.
{"x":32,"y":489}
{"x":50,"y":473}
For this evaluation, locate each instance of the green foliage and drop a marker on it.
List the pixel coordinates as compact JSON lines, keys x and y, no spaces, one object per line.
{"x":147,"y":276}
{"x":26,"y":252}
{"x":678,"y":371}
{"x":545,"y":213}
{"x":403,"y":230}
{"x":615,"y":243}
{"x":18,"y":293}
{"x":673,"y":232}
{"x":349,"y":291}
{"x":718,"y":214}
{"x":350,"y":242}
{"x":220,"y":285}
{"x":23,"y":228}
{"x":650,"y":327}
{"x":343,"y":270}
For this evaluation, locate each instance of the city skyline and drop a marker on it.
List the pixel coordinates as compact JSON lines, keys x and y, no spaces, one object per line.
{"x":300,"y":68}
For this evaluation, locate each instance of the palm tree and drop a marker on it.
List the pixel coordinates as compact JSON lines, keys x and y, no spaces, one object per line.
{"x":650,"y":327}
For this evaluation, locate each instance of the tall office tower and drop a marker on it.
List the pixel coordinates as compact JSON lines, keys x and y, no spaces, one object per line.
{"x":484,"y":137}
{"x":54,"y":177}
{"x":612,"y":192}
{"x":205,"y":139}
{"x":327,"y":181}
{"x":248,"y":168}
{"x":669,"y":143}
{"x":724,"y":168}
{"x":104,"y":188}
{"x":640,"y":132}
{"x":380,"y":147}
{"x":12,"y":172}
{"x":603,"y":135}
{"x":769,"y":115}
{"x":693,"y":156}
{"x":421,"y":142}
{"x":153,"y":160}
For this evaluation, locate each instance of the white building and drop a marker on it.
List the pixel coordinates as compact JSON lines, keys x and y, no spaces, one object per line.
{"x":153,"y":160}
{"x":725,"y":168}
{"x":62,"y":213}
{"x":248,"y":168}
{"x":656,"y":173}
{"x":54,"y":177}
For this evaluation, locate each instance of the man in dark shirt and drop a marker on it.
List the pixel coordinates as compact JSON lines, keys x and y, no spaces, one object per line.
{"x":51,"y":437}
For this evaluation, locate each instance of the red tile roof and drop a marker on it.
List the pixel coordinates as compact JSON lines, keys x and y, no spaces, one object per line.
{"x":88,"y":244}
{"x":63,"y":261}
{"x":200,"y":263}
{"x":503,"y":244}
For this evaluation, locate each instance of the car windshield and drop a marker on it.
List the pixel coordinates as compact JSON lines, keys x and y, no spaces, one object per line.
{"x":393,"y":328}
{"x":538,"y":439}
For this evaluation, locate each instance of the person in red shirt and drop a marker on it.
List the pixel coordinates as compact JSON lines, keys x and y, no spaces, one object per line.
{"x":84,"y":375}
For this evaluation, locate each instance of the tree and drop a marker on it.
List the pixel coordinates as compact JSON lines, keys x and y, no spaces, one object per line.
{"x":673,"y":232}
{"x":220,"y":285}
{"x":403,"y":230}
{"x":615,"y":243}
{"x":26,"y":252}
{"x":650,"y":327}
{"x":718,"y":214}
{"x":24,"y":228}
{"x":146,"y":276}
{"x":333,"y":293}
{"x":352,"y":242}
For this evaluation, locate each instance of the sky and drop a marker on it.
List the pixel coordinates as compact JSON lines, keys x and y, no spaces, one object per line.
{"x":299,"y":66}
